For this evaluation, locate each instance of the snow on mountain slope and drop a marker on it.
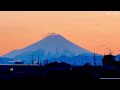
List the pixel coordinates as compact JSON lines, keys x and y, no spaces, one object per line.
{"x":53,"y":45}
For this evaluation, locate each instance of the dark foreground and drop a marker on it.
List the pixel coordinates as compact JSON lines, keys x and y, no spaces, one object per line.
{"x":57,"y":72}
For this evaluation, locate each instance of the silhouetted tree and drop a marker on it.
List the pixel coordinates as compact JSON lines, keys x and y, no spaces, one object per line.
{"x":108,"y":60}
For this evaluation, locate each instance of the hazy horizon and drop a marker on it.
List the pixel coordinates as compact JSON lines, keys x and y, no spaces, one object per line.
{"x":92,"y":30}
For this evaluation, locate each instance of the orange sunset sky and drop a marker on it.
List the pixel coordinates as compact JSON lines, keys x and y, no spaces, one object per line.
{"x":92,"y":30}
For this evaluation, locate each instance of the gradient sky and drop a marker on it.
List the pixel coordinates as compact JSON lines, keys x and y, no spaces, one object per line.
{"x":92,"y":30}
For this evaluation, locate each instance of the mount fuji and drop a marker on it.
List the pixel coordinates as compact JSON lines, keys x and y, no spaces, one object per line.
{"x":52,"y":46}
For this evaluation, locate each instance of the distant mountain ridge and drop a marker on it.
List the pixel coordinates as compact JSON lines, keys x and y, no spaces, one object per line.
{"x":4,"y":60}
{"x":52,"y":46}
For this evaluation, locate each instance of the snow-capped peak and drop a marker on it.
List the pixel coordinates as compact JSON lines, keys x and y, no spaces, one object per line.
{"x":54,"y":45}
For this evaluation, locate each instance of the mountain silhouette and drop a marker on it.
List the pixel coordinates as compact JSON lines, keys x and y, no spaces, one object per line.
{"x":52,"y":46}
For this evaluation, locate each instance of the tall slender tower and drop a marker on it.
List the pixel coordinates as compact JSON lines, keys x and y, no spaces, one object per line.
{"x":44,"y":62}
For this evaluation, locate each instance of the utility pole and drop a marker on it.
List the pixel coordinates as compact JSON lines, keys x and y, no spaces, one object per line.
{"x":94,"y":59}
{"x":119,"y":55}
{"x":38,"y":60}
{"x":40,"y":63}
{"x":32,"y":58}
